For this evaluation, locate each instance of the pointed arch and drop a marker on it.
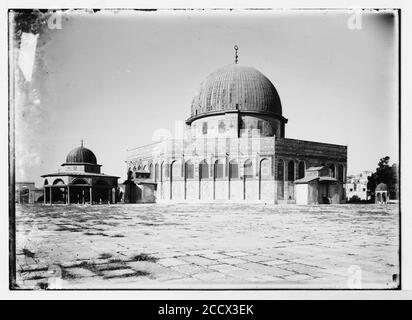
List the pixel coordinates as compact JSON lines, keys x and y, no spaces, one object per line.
{"x":248,"y":169}
{"x":156,"y":172}
{"x":291,"y":170}
{"x":264,"y":168}
{"x":340,"y":173}
{"x":150,"y":170}
{"x":301,"y":169}
{"x":218,"y":171}
{"x":189,"y":170}
{"x":161,"y":171}
{"x":203,"y":170}
{"x":280,"y":170}
{"x":233,"y":169}
{"x":333,"y":170}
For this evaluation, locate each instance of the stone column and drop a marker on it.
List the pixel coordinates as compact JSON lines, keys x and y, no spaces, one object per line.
{"x":51,"y":200}
{"x":44,"y":192}
{"x":91,"y":195}
{"x":68,"y":195}
{"x":109,"y":195}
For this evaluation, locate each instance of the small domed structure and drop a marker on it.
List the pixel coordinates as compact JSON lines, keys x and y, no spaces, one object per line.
{"x":80,"y":180}
{"x":381,"y":193}
{"x":81,"y":155}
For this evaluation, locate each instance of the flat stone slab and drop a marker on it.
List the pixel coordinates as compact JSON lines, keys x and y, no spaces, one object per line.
{"x":199,"y":260}
{"x":208,"y":246}
{"x":170,"y":262}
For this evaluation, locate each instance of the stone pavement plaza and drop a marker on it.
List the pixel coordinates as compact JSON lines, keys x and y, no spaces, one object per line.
{"x":207,"y":246}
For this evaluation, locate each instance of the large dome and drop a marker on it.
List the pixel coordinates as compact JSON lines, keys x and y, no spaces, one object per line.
{"x":235,"y":87}
{"x":81,"y":155}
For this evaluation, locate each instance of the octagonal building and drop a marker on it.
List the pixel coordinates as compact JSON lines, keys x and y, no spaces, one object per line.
{"x":234,"y":150}
{"x":80,"y":181}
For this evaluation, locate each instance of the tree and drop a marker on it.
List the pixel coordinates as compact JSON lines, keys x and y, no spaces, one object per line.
{"x":387,"y":174}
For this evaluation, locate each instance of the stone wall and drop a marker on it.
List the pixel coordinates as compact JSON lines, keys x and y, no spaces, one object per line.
{"x":272,"y":165}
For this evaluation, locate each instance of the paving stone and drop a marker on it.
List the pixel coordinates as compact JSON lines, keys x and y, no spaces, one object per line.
{"x":146,"y":266}
{"x":300,"y":268}
{"x":274,"y":262}
{"x":255,"y":258}
{"x":224,"y":268}
{"x":199,"y":260}
{"x":298,"y":277}
{"x":267,"y":270}
{"x":118,"y":273}
{"x":233,"y":261}
{"x":80,"y":272}
{"x":236,"y":253}
{"x":215,"y":256}
{"x":190,"y":269}
{"x":212,"y":277}
{"x":171,"y":262}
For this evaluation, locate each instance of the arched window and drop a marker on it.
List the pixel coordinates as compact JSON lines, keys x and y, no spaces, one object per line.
{"x":281,"y":170}
{"x":340,"y":173}
{"x":166,"y":168}
{"x":189,"y":170}
{"x":79,"y":181}
{"x":156,"y":172}
{"x":203,"y":170}
{"x":139,"y":167}
{"x":265,"y":168}
{"x":58,"y":181}
{"x":218,"y":170}
{"x":204,"y":128}
{"x":248,"y":169}
{"x":176,"y":168}
{"x":151,"y":170}
{"x":222,"y":126}
{"x":233,"y":169}
{"x":333,"y":169}
{"x":291,"y":170}
{"x":46,"y":182}
{"x":301,"y":169}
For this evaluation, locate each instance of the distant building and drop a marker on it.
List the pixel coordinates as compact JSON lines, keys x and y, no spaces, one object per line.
{"x":80,"y":181}
{"x":356,"y":185}
{"x":381,"y":194}
{"x":26,"y":192}
{"x":234,"y":149}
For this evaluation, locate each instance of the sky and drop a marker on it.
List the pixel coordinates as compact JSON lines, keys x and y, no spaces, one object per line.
{"x":113,"y":79}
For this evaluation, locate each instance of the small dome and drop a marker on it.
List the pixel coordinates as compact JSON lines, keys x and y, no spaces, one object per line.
{"x":381,"y":187}
{"x":235,"y":87}
{"x":81,"y":155}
